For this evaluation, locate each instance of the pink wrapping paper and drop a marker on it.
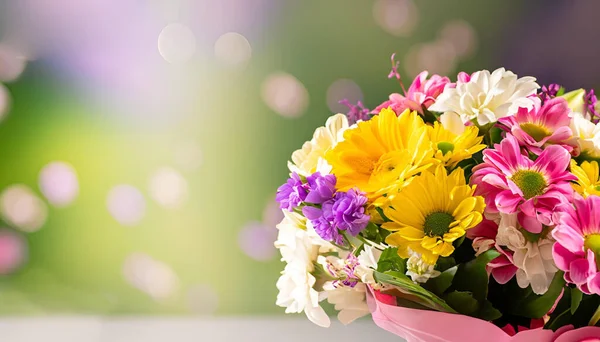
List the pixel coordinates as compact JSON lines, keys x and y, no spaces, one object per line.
{"x":431,"y":326}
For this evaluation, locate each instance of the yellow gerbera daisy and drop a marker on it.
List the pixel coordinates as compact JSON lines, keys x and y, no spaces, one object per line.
{"x":382,"y":153}
{"x":452,"y":148}
{"x":431,"y":212}
{"x":588,"y":178}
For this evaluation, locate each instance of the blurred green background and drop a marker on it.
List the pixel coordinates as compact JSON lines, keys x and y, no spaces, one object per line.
{"x":144,"y":141}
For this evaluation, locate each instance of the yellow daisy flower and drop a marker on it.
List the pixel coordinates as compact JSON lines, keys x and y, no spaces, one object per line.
{"x":451,"y":148}
{"x":588,"y":178}
{"x":431,"y":212}
{"x":382,"y":154}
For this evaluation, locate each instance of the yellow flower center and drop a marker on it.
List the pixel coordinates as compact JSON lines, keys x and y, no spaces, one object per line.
{"x":535,"y":131}
{"x":592,"y":242}
{"x":445,"y":147}
{"x":530,"y":182}
{"x":437,"y":224}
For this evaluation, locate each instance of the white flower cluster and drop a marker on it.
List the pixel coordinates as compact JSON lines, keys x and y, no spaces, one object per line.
{"x":487,"y":97}
{"x":419,"y":270}
{"x":533,"y":259}
{"x":302,"y":248}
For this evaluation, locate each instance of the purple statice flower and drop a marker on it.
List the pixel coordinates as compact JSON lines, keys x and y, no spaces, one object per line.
{"x":591,"y":100}
{"x":349,"y":211}
{"x":356,"y":111}
{"x":345,"y":211}
{"x":321,"y":188}
{"x":550,"y":91}
{"x":292,"y":193}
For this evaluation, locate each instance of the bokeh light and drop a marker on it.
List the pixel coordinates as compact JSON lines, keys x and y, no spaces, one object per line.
{"x":233,"y":49}
{"x":22,"y":208}
{"x":437,"y":57}
{"x":13,"y":251}
{"x":12,"y":63}
{"x":342,"y":89}
{"x":126,"y":204}
{"x":461,"y":35}
{"x":272,"y":214}
{"x":256,"y":241}
{"x":285,"y":94}
{"x":58,"y":182}
{"x":153,"y":277}
{"x":4,"y":101}
{"x":177,"y":43}
{"x":203,"y":300}
{"x":396,"y":17}
{"x":168,"y":187}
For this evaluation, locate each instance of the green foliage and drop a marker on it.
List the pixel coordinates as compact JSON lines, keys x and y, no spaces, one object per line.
{"x":536,"y":306}
{"x":472,"y":276}
{"x":445,"y":263}
{"x":391,"y":261}
{"x":580,"y":317}
{"x":375,"y":233}
{"x":413,"y":292}
{"x":576,"y":297}
{"x":441,"y":283}
{"x":488,"y":312}
{"x":463,"y":302}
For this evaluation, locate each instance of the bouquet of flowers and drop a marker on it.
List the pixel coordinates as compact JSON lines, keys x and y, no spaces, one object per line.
{"x":457,"y":211}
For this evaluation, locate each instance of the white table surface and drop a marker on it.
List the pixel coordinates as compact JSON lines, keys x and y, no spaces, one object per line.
{"x":173,"y":329}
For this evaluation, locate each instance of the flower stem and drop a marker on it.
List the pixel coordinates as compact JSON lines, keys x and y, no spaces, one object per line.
{"x":595,"y":318}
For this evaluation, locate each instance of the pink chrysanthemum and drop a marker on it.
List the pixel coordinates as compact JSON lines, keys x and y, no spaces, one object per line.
{"x":541,"y":126}
{"x":577,"y":246}
{"x":511,"y":182}
{"x":421,"y":93}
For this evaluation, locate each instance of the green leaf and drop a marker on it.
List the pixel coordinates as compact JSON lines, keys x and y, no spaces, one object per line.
{"x":391,"y":261}
{"x":472,"y":276}
{"x":462,"y":302}
{"x":560,"y":320}
{"x":488,"y":312}
{"x":536,"y":306}
{"x":441,"y":283}
{"x":445,"y":263}
{"x":576,"y":296}
{"x":428,"y":116}
{"x":413,"y":292}
{"x":382,"y":214}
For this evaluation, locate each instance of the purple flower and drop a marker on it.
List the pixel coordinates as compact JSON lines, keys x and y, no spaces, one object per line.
{"x":356,"y":112}
{"x":345,"y":211}
{"x":292,"y":193}
{"x":322,"y":221}
{"x":550,"y":91}
{"x":591,"y":100}
{"x":321,"y":188}
{"x":349,"y":212}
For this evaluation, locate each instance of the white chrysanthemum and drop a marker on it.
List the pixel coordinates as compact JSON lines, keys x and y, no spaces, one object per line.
{"x":586,"y":135}
{"x":300,"y":247}
{"x":533,"y":259}
{"x":419,"y":270}
{"x":367,"y":263}
{"x":309,"y":158}
{"x":350,"y":302}
{"x":487,"y":97}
